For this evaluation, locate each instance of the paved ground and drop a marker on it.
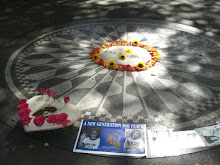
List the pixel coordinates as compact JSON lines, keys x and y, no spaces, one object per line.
{"x":23,"y":21}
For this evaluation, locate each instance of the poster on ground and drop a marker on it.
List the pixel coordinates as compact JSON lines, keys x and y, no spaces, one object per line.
{"x":166,"y":143}
{"x":210,"y":135}
{"x":111,"y":139}
{"x":159,"y":142}
{"x":186,"y":140}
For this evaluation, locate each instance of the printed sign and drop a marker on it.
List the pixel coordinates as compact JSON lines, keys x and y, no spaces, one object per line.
{"x":167,"y":143}
{"x":210,"y":135}
{"x":111,"y":138}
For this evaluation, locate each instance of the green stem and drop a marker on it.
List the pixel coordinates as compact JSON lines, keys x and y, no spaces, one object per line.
{"x":64,"y":129}
{"x":30,"y":133}
{"x":73,"y":127}
{"x":54,"y":132}
{"x":41,"y":134}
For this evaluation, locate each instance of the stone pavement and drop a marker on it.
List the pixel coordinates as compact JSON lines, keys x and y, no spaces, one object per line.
{"x":183,"y":95}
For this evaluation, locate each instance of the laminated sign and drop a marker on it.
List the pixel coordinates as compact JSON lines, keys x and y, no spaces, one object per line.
{"x":111,"y":139}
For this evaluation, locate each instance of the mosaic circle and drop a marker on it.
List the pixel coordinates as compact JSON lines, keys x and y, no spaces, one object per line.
{"x":125,"y":56}
{"x":181,"y":91}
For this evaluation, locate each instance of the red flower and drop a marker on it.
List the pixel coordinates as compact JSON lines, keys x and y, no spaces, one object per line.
{"x":42,"y":91}
{"x":61,"y":118}
{"x":21,"y":106}
{"x":122,"y":67}
{"x":25,"y":120}
{"x":129,"y":68}
{"x":24,"y":112}
{"x":66,"y":99}
{"x":52,"y":119}
{"x":119,"y":66}
{"x":65,"y":122}
{"x":49,"y":92}
{"x":39,"y":121}
{"x":54,"y":96}
{"x":22,"y":101}
{"x":101,"y":61}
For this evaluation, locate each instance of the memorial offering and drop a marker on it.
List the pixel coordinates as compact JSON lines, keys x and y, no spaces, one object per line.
{"x":45,"y":112}
{"x":210,"y":135}
{"x":186,"y":139}
{"x":159,"y":142}
{"x":111,"y":139}
{"x":124,"y":55}
{"x":167,"y":143}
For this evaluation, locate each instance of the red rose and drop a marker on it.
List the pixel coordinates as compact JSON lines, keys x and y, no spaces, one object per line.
{"x":61,"y":118}
{"x":49,"y":92}
{"x":24,"y":112}
{"x":22,"y":101}
{"x":21,"y":106}
{"x":54,"y":96}
{"x":52,"y":119}
{"x":25,"y":120}
{"x":66,"y":99}
{"x":42,"y":91}
{"x":39,"y":121}
{"x":65,"y":122}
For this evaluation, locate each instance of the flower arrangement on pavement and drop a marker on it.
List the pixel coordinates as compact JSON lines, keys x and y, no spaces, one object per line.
{"x":96,"y":58}
{"x":24,"y":112}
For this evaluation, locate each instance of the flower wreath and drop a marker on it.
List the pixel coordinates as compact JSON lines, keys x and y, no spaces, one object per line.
{"x":24,"y":112}
{"x":155,"y":56}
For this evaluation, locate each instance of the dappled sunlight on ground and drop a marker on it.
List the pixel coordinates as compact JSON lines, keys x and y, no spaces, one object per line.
{"x":198,"y":13}
{"x":181,"y":92}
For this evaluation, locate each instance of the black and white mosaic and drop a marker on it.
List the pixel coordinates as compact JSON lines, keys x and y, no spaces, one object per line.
{"x":182,"y":91}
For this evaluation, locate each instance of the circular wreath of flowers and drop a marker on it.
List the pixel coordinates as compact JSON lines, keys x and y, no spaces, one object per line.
{"x":155,"y":56}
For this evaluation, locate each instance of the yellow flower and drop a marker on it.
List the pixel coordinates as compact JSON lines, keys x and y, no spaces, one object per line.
{"x":122,"y":57}
{"x":112,"y":64}
{"x":135,"y":42}
{"x":149,"y":65}
{"x":95,"y":57}
{"x":128,"y":51}
{"x":147,"y":47}
{"x":141,"y":65}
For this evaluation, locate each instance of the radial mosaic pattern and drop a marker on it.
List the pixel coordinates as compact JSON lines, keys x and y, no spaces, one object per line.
{"x":181,"y":91}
